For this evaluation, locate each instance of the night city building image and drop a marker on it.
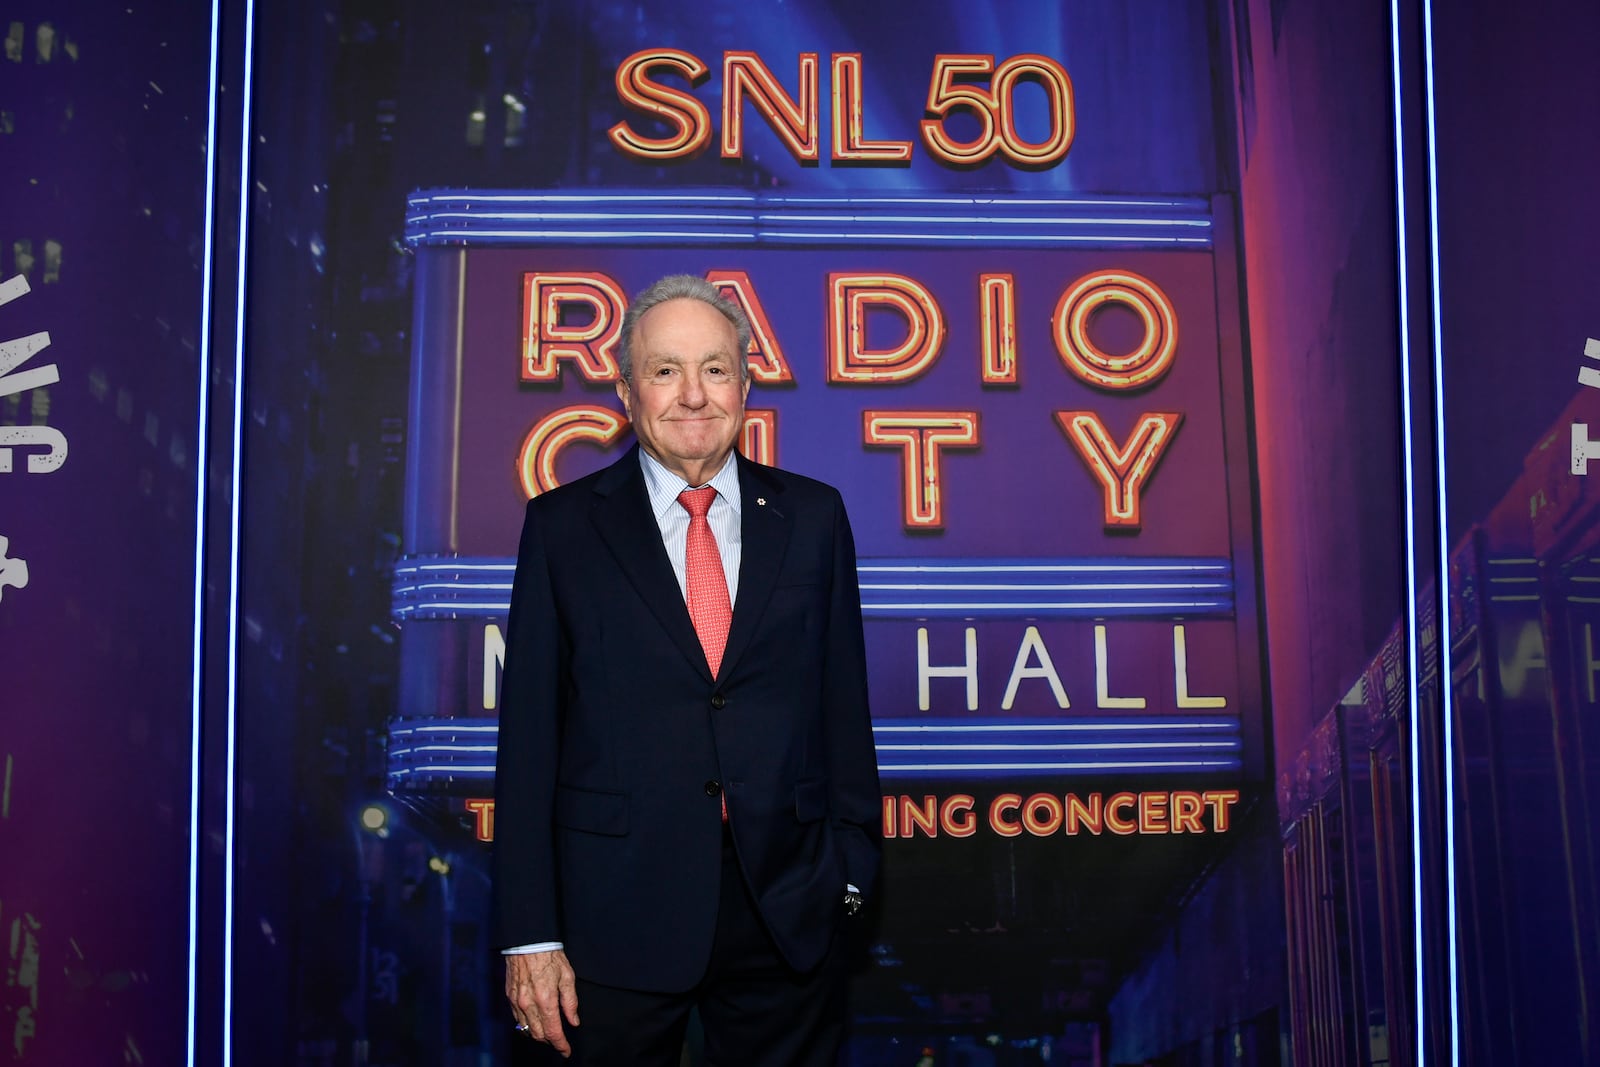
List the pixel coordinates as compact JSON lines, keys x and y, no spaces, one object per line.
{"x":1212,"y":388}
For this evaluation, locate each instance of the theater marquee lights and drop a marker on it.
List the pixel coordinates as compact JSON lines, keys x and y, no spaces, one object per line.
{"x":576,"y":317}
{"x":974,"y":87}
{"x":1030,"y":405}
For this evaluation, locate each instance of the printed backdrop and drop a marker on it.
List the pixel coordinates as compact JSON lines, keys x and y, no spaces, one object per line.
{"x":1213,"y":727}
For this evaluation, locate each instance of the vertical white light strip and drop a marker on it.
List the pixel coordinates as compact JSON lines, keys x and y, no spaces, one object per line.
{"x":1447,"y":698}
{"x":1403,"y":261}
{"x":237,"y":489}
{"x":202,"y":461}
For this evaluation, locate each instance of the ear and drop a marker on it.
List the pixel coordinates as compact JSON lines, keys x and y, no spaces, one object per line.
{"x":747,"y":380}
{"x":625,"y":396}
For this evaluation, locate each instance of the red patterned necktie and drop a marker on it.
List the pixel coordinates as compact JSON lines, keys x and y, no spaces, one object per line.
{"x":709,"y":607}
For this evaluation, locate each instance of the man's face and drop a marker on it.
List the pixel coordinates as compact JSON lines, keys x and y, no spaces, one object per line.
{"x":687,"y":398}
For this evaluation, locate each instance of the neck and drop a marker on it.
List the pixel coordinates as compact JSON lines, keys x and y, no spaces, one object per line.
{"x":695,"y":473}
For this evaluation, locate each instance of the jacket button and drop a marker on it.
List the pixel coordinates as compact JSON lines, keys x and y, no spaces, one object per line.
{"x":719,"y":701}
{"x":713,"y":788}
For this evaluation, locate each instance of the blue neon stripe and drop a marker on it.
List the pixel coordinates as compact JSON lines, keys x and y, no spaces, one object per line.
{"x":1442,"y":588}
{"x":202,"y":461}
{"x":233,"y":562}
{"x":491,"y":217}
{"x":477,"y":587}
{"x":1410,"y":534}
{"x":428,"y":750}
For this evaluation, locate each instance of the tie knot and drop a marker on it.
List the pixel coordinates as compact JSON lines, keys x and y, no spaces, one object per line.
{"x":697,"y":501}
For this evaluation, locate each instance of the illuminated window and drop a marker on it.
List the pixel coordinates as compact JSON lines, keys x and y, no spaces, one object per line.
{"x":386,"y":119}
{"x":14,"y":43}
{"x":516,"y":120}
{"x":22,"y":257}
{"x":45,"y":39}
{"x":41,"y":406}
{"x":52,"y":261}
{"x":8,"y":122}
{"x":475,"y":122}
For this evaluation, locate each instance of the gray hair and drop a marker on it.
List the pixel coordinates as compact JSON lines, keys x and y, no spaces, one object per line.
{"x":683,"y":287}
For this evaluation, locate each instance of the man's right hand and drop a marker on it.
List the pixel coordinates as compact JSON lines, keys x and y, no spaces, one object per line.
{"x":542,"y":988}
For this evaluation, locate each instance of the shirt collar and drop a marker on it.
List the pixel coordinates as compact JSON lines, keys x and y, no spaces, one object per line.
{"x":664,"y":486}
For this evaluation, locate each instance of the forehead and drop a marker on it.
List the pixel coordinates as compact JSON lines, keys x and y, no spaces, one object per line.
{"x":685,"y":328}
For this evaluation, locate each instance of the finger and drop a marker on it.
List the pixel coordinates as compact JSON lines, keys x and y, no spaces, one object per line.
{"x":569,"y":998}
{"x":550,"y":1020}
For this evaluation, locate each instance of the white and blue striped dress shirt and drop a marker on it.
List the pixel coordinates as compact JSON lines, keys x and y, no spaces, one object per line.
{"x":673,"y":518}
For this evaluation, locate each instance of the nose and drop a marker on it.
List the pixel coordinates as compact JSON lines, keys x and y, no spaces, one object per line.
{"x":693,"y":392}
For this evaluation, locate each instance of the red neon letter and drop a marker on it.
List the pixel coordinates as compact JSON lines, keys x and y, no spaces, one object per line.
{"x":1220,"y":801}
{"x":759,"y":438}
{"x":1186,"y":806}
{"x":674,"y":106}
{"x":536,"y":463}
{"x":1053,"y":814}
{"x":1052,"y":78}
{"x":998,"y":312}
{"x":1153,"y":813}
{"x":849,"y":359}
{"x":956,"y":817}
{"x":483,"y":826}
{"x":920,"y":435}
{"x":795,"y":124}
{"x":765,"y":358}
{"x":1084,"y":815}
{"x":849,"y":134}
{"x":1117,"y":823}
{"x":546,"y":339}
{"x":1145,"y":364}
{"x":1122,"y":472}
{"x":999,"y":806}
{"x":945,"y":94}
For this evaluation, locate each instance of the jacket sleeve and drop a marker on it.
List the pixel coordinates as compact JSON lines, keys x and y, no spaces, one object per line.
{"x":855,"y":802}
{"x":525,"y":909}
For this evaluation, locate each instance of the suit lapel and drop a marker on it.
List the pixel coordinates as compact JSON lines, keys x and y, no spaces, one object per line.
{"x":621,"y":513}
{"x":764,"y":527}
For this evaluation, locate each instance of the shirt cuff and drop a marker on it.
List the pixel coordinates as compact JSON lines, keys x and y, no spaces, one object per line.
{"x":528,"y":950}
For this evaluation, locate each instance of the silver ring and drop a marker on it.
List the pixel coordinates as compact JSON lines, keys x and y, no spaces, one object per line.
{"x":522,"y":1028}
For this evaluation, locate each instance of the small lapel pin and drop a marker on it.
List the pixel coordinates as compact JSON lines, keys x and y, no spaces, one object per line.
{"x":761,"y":500}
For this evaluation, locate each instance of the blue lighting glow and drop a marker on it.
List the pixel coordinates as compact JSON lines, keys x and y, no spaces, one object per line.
{"x":425,"y":752}
{"x":502,"y":217}
{"x":201,"y":463}
{"x":1410,"y":606}
{"x":1133,"y":587}
{"x":237,"y":489}
{"x":1447,"y":711}
{"x":1073,"y":767}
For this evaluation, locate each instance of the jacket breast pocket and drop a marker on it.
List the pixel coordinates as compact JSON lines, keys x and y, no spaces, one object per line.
{"x":591,"y":811}
{"x":796,"y":603}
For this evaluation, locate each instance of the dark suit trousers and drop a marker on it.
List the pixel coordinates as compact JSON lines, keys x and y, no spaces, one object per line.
{"x":754,"y":1010}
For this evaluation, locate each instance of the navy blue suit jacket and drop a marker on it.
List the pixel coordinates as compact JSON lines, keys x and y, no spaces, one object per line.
{"x":617,"y":744}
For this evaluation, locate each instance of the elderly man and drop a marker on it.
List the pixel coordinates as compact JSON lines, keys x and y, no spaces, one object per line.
{"x":687,"y":803}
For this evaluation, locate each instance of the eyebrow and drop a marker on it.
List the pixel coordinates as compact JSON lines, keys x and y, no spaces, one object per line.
{"x":676,"y":360}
